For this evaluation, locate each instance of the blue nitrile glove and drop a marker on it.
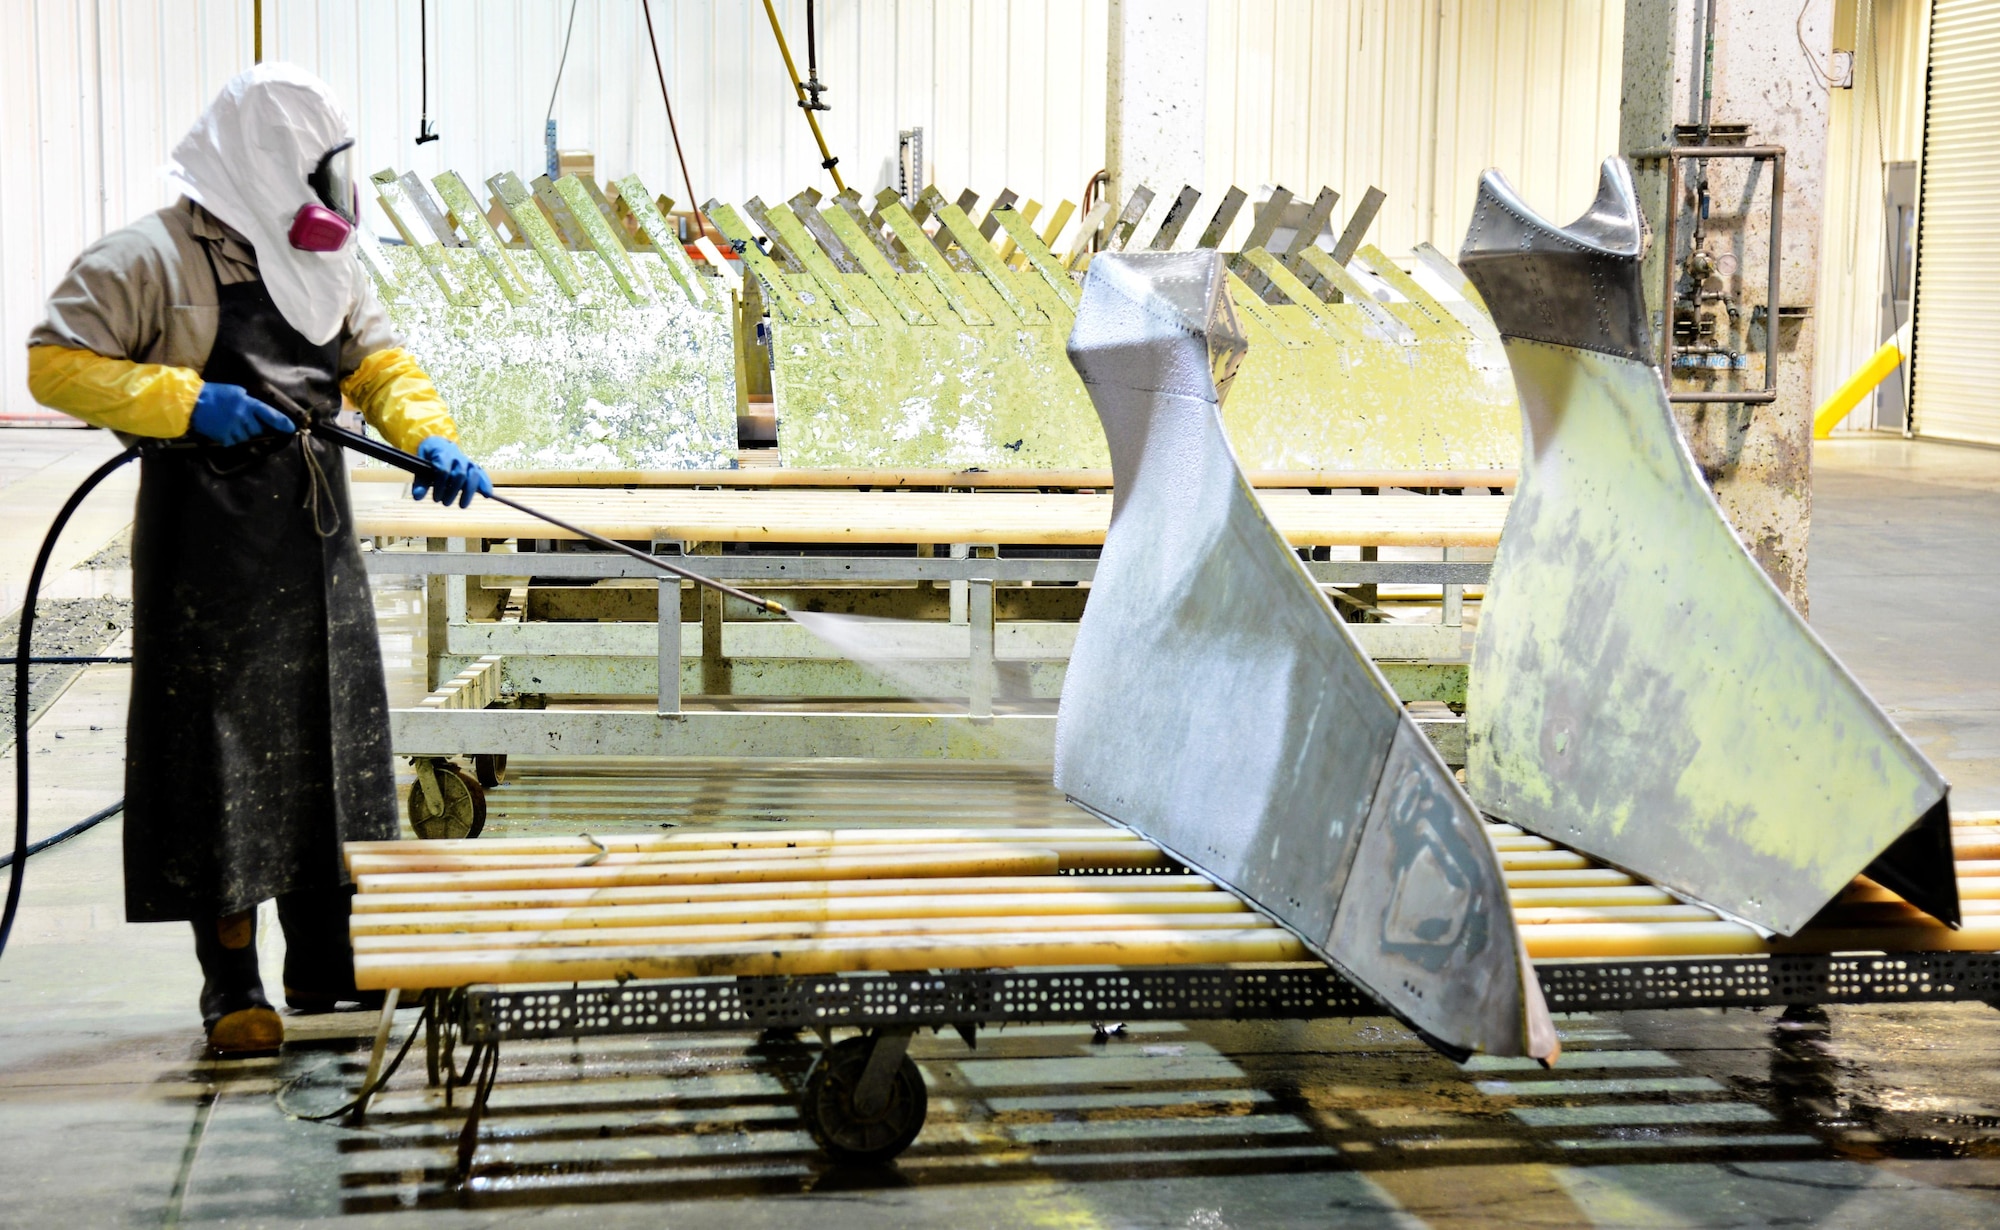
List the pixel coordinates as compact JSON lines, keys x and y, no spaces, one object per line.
{"x":459,"y":479}
{"x":227,"y":415}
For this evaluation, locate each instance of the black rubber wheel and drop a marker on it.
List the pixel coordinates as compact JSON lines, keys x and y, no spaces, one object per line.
{"x":490,"y":769}
{"x":464,"y":812}
{"x":845,"y":1135}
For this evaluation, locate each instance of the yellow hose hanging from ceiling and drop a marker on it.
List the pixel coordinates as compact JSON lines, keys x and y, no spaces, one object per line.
{"x":827,"y":159}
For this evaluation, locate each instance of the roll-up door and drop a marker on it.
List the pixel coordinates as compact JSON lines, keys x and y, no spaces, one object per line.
{"x":1957,"y":364}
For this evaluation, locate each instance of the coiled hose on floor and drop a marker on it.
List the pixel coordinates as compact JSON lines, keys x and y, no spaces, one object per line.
{"x":23,"y":660}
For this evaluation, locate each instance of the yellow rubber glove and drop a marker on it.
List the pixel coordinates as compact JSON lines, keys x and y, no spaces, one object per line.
{"x":139,"y":399}
{"x":399,"y":400}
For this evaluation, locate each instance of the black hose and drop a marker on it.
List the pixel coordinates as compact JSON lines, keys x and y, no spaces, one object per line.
{"x":368,"y":1091}
{"x":812,"y":50}
{"x":22,"y":660}
{"x":84,"y":825}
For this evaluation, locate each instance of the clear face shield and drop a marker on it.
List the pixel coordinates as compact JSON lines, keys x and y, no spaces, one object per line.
{"x":326,"y":224}
{"x":333,"y":182}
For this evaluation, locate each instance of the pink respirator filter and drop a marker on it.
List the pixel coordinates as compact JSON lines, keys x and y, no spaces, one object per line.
{"x":318,"y":229}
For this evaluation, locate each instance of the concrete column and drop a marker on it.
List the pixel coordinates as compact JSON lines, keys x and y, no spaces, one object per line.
{"x":1758,"y":458}
{"x":1156,"y":113}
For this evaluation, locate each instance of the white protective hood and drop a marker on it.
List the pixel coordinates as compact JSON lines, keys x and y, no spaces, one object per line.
{"x":246,"y":161}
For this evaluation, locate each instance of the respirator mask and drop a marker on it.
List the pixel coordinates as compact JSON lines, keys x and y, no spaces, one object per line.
{"x":326,"y":225}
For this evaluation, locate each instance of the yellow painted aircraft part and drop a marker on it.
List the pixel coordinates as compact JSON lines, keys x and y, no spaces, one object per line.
{"x":1640,"y":686}
{"x":593,"y":360}
{"x":480,"y":234}
{"x":983,"y":381}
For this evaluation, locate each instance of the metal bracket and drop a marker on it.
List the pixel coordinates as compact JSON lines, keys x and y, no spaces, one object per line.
{"x":1673,"y":156}
{"x":979,"y":613}
{"x":871,"y":1095}
{"x":426,"y":767}
{"x":382,"y":1028}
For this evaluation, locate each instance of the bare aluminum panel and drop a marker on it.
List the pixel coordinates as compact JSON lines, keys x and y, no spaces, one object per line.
{"x":1640,"y":690}
{"x":1216,"y":703}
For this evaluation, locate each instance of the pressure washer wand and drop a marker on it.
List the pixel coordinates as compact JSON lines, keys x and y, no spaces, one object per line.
{"x":390,"y":455}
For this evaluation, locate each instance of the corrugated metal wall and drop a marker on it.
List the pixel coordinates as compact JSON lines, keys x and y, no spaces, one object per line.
{"x":1958,"y":264}
{"x":1415,"y":98}
{"x":94,"y":93}
{"x":1879,"y":121}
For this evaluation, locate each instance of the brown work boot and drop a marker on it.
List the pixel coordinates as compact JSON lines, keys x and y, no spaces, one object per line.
{"x":238,"y":1018}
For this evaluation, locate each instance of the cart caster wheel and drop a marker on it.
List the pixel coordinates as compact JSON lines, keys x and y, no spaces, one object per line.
{"x":464,"y":810}
{"x":847,"y":1136}
{"x":491,"y":770}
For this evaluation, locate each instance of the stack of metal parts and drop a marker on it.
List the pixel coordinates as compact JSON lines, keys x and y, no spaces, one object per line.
{"x":588,"y":342}
{"x":569,"y":329}
{"x":896,"y":346}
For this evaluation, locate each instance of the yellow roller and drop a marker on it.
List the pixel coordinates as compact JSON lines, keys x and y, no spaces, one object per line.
{"x":773,"y":891}
{"x":1588,"y":877}
{"x":1892,"y":913}
{"x":988,"y":860}
{"x":802,"y":909}
{"x":1663,"y":939}
{"x":743,"y":932}
{"x":1542,"y":860}
{"x":1608,"y":895}
{"x":1977,"y":934}
{"x":1970,"y":888}
{"x":1125,"y":854}
{"x":1614,"y":914}
{"x":737,"y":839}
{"x":1974,"y":843}
{"x":420,"y":970}
{"x":1524,"y":841}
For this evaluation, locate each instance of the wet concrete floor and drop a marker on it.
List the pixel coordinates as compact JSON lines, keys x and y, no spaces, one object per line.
{"x":1858,"y":1116}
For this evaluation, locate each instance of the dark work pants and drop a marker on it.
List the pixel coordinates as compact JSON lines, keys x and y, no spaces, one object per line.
{"x":318,"y":954}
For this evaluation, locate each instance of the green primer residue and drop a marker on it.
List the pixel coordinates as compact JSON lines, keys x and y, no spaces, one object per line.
{"x":1353,"y":385}
{"x":590,"y":383}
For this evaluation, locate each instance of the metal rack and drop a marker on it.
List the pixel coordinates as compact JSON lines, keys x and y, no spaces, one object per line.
{"x":508,"y":650}
{"x":890,"y":1007}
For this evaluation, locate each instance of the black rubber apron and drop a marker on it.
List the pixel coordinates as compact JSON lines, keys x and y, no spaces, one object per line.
{"x":259,"y":728}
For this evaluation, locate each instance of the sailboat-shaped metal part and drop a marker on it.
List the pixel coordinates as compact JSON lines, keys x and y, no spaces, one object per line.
{"x":1216,"y":703}
{"x":1640,"y":690}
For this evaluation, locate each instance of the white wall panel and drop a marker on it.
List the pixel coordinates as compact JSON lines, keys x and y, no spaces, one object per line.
{"x":1957,"y":317}
{"x":1880,"y":120}
{"x":1416,"y":99}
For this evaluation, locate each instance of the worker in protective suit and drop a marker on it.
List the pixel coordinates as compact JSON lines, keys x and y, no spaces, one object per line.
{"x":259,"y":728}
